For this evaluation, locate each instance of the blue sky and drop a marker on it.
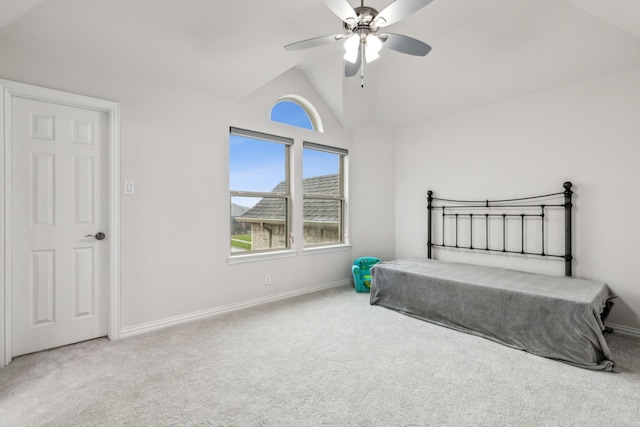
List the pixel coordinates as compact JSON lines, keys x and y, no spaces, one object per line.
{"x":259,"y":166}
{"x":290,"y":113}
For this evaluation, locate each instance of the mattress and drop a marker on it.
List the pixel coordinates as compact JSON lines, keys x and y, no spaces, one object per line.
{"x":550,"y":316}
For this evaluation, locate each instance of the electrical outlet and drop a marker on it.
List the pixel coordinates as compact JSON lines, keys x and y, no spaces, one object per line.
{"x":267,"y":279}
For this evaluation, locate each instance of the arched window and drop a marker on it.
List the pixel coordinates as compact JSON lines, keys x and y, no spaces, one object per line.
{"x":296,"y":111}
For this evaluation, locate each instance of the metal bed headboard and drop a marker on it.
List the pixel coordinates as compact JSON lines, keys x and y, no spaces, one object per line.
{"x":456,"y":209}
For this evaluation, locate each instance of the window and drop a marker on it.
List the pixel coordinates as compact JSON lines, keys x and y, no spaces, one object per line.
{"x":260,"y":188}
{"x":296,"y":111}
{"x":323,"y":194}
{"x":260,"y":191}
{"x":291,"y":113}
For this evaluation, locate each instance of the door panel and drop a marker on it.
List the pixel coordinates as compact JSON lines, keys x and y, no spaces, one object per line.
{"x":59,"y":176}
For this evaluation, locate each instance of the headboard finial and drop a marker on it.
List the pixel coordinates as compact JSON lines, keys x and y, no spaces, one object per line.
{"x":567,"y":185}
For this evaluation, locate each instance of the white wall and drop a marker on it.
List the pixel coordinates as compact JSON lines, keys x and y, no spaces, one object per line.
{"x":175,"y":229}
{"x":373,"y":192}
{"x":585,"y":133}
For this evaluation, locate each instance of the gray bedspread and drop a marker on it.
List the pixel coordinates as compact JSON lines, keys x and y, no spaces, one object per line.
{"x":554,"y":317}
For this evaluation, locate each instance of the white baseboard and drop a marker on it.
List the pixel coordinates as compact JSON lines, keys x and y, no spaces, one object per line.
{"x":163,"y":323}
{"x":626,"y":330}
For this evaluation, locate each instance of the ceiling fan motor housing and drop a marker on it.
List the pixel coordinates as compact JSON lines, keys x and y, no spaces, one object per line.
{"x":362,"y":26}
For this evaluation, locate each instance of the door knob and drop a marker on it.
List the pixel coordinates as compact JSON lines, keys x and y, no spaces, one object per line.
{"x":98,"y":236}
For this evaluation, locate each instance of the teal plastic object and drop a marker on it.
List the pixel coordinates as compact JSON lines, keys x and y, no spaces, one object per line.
{"x":362,"y":272}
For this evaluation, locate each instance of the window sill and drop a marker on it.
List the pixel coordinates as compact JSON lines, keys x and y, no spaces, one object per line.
{"x":239,"y":259}
{"x":326,"y":249}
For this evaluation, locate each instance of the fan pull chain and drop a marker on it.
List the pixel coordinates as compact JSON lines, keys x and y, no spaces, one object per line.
{"x":362,"y":61}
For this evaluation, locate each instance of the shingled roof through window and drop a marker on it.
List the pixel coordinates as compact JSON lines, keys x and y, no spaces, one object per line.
{"x":328,"y":211}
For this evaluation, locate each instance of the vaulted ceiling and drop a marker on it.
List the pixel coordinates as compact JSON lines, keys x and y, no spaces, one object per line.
{"x":484,"y":51}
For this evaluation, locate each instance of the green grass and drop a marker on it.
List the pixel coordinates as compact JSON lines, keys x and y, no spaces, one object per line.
{"x":241,"y":241}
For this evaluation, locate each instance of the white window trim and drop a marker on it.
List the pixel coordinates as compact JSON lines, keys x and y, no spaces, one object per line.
{"x":314,"y":250}
{"x":262,"y":256}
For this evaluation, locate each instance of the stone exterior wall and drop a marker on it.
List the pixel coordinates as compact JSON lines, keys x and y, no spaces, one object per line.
{"x":260,"y":236}
{"x":320,"y":235}
{"x":268,"y":238}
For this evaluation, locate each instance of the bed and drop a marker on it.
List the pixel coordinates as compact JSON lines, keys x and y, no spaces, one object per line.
{"x":557,"y":317}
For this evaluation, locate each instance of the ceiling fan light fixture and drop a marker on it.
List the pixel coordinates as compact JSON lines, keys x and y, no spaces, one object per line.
{"x":351,"y":46}
{"x":351,"y":56}
{"x":371,"y":55}
{"x":372,"y":46}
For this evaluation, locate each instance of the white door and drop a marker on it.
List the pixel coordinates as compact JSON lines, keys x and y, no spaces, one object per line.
{"x":59,"y":196}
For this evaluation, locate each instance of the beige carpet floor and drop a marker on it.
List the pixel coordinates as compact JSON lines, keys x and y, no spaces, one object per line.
{"x":327,"y":358}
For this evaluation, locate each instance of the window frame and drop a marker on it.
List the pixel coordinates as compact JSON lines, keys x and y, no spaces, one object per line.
{"x":341,"y":197}
{"x":286,"y":195}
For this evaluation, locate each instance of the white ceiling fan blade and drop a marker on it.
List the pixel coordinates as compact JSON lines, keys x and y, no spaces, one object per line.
{"x":405,"y":44}
{"x":316,"y":41}
{"x":342,"y":9}
{"x":398,"y":10}
{"x":351,"y":68}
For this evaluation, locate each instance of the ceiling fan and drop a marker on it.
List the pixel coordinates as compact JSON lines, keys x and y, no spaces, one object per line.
{"x":362,"y":40}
